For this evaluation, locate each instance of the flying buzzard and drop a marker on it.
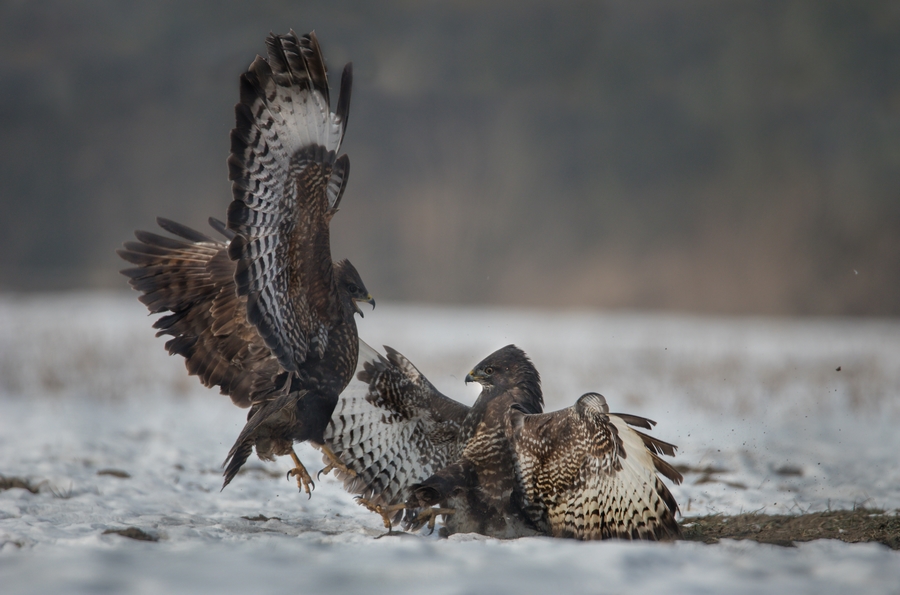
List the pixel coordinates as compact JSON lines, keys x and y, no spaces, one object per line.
{"x":500,"y":468}
{"x":264,"y":313}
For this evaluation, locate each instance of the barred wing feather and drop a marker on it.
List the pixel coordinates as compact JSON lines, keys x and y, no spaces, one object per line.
{"x":586,"y":474}
{"x":191,"y":279}
{"x":287,"y":182}
{"x":392,"y":427}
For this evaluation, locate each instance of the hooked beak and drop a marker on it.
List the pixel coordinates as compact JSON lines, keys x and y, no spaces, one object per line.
{"x":470,"y":377}
{"x":369,"y":300}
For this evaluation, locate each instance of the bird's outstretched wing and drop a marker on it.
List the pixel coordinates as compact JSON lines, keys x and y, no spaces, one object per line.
{"x":191,"y":278}
{"x":287,"y":182}
{"x":586,"y":474}
{"x":392,"y":427}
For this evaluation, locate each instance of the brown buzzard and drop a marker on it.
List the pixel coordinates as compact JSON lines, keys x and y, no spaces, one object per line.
{"x":501,"y":468}
{"x":264,"y":313}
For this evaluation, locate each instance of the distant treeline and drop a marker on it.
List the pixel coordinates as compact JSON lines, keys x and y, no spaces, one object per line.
{"x":707,"y":156}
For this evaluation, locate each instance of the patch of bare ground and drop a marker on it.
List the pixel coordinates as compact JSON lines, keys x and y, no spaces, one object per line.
{"x":8,"y":483}
{"x":852,"y":526}
{"x":133,"y":533}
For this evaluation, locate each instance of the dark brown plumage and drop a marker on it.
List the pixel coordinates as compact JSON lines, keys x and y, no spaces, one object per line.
{"x":191,"y":277}
{"x":481,"y":485}
{"x":265,"y":314}
{"x":501,"y":467}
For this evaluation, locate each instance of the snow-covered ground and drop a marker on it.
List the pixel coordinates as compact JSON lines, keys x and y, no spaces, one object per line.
{"x":774,"y":415}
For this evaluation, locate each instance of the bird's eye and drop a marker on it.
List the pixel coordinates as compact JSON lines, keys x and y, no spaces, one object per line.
{"x":353,"y":288}
{"x":489,"y":370}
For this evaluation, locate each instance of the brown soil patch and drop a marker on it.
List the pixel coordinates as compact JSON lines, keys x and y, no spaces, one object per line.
{"x":851,"y":526}
{"x":133,"y":533}
{"x":114,"y":473}
{"x":8,"y":483}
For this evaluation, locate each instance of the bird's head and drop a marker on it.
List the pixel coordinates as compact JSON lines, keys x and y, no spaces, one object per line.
{"x":504,"y":369}
{"x":351,"y":285}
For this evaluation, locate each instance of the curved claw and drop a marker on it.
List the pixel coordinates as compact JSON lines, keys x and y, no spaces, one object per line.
{"x":325,"y":470}
{"x":334,"y":462}
{"x":428,"y":516}
{"x":385,"y":511}
{"x":304,"y":481}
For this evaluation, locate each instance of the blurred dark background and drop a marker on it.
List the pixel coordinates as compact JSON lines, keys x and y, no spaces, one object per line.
{"x":704,"y":156}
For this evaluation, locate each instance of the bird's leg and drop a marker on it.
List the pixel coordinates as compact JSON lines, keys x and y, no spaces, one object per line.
{"x":384,"y":510}
{"x":304,"y":481}
{"x":335,"y":462}
{"x":431,"y":515}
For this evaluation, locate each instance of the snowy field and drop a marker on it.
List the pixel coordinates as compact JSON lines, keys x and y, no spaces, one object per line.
{"x":770,"y":415}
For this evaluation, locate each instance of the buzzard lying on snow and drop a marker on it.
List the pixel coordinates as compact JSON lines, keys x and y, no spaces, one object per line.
{"x":501,"y":468}
{"x":264,"y":313}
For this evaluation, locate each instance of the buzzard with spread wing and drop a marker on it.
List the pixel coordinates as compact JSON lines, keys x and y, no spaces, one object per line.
{"x":501,"y":468}
{"x":586,"y":473}
{"x":264,"y":313}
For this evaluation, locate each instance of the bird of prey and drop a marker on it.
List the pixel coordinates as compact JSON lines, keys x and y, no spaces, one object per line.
{"x":586,"y":473}
{"x":481,"y":484}
{"x":501,"y":468}
{"x":263,"y":312}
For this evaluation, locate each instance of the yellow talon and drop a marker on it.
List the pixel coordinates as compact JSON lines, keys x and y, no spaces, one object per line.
{"x":431,"y":514}
{"x":384,"y":510}
{"x":304,"y":481}
{"x":334,"y":462}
